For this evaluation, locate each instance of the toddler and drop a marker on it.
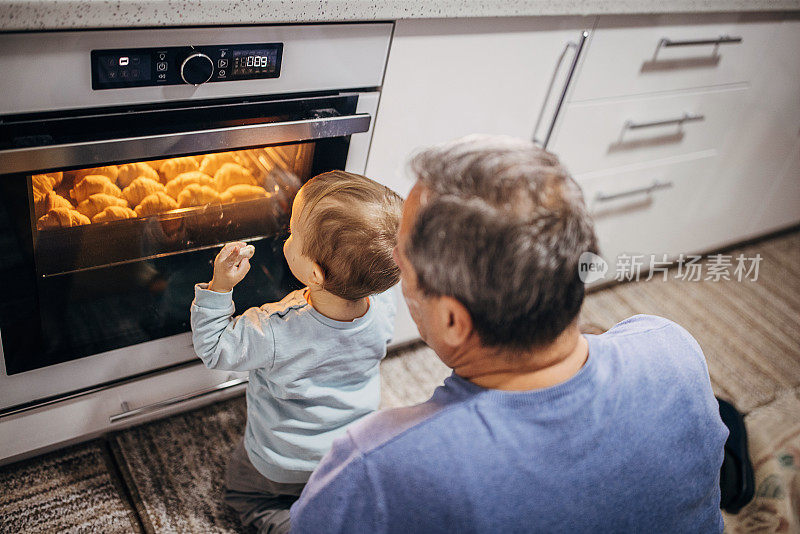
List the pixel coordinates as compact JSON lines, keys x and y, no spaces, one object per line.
{"x":313,"y":357}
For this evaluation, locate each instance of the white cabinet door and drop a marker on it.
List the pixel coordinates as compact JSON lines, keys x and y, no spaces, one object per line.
{"x":763,"y":164}
{"x":661,"y":53}
{"x":449,"y":78}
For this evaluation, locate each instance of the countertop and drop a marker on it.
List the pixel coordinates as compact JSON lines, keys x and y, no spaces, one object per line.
{"x":18,"y":15}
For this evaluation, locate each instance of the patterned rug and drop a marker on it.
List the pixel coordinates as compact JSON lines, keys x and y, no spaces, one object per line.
{"x":175,"y":468}
{"x":71,"y":490}
{"x":774,"y":441}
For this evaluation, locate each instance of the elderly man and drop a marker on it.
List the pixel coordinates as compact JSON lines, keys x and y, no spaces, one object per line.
{"x":539,"y":428}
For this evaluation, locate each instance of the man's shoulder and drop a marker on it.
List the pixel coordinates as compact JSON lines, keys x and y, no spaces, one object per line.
{"x":654,"y":332}
{"x":650,"y":348}
{"x":383,"y":427}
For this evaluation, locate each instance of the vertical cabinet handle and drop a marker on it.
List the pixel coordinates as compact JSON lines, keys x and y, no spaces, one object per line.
{"x":562,"y":96}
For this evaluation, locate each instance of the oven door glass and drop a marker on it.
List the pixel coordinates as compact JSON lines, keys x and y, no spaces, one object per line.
{"x":106,"y":256}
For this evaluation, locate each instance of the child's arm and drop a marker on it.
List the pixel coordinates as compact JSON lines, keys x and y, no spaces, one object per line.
{"x":221,"y":341}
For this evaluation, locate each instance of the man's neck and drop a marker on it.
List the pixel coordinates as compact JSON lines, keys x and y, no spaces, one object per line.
{"x":534,"y":369}
{"x":334,"y":307}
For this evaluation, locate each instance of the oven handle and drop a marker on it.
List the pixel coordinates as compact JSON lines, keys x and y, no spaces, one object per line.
{"x":127,"y":414}
{"x":94,"y":153}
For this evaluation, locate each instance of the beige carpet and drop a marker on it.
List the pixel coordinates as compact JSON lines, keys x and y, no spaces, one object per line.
{"x":70,"y":491}
{"x":749,"y":331}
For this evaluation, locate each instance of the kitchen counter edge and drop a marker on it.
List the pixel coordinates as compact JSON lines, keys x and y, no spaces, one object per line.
{"x":94,"y":14}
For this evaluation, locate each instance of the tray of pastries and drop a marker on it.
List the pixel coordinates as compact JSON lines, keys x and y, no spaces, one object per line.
{"x":121,"y":212}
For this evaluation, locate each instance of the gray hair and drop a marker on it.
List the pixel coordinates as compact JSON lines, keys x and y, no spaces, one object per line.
{"x":501,"y":232}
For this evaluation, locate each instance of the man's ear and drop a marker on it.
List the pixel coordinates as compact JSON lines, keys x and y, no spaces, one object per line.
{"x":454,"y":321}
{"x":317,"y":275}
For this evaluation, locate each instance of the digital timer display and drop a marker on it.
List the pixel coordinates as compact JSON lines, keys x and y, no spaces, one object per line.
{"x":254,"y":62}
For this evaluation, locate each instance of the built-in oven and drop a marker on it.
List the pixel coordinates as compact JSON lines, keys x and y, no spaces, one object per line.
{"x":126,"y":159}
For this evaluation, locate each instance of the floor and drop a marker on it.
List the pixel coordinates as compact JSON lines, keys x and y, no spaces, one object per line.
{"x":165,"y":476}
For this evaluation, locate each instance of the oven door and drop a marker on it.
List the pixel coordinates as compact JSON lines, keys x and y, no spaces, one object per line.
{"x":108,"y":220}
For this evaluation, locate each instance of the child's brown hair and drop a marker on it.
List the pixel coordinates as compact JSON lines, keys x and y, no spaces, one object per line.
{"x":354,"y":223}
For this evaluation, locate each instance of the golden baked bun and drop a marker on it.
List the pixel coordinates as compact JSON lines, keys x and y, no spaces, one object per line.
{"x":61,"y":218}
{"x":239,"y":192}
{"x":93,"y":184}
{"x":156,"y":163}
{"x":156,"y":203}
{"x":41,"y":184}
{"x":54,"y":200}
{"x":49,"y":201}
{"x":110,"y":172}
{"x":131,"y":171}
{"x":98,"y":202}
{"x":232,"y":174}
{"x":197,"y":195}
{"x":212,"y":162}
{"x":114,"y":213}
{"x":175,"y":166}
{"x":179,"y":183}
{"x":56,"y":177}
{"x":140,"y":188}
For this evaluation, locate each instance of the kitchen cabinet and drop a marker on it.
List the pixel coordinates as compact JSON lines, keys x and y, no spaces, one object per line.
{"x":709,"y":105}
{"x":449,"y":78}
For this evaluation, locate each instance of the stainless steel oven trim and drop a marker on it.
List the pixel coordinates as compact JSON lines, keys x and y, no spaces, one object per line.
{"x":127,"y":414}
{"x":20,"y":160}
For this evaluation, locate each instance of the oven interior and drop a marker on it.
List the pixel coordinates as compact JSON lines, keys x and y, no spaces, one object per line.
{"x":104,"y":256}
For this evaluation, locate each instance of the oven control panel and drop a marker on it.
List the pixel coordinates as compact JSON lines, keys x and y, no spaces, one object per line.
{"x":193,"y":65}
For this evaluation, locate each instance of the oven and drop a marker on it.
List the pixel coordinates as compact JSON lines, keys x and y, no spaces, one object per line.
{"x":127,"y":159}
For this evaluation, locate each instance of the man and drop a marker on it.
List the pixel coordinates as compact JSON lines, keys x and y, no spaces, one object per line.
{"x":539,"y":428}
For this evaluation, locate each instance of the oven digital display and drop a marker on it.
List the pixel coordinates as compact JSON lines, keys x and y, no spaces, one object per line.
{"x":253,"y":62}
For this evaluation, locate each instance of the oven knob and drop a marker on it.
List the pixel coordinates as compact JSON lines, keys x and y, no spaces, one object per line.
{"x":197,"y":68}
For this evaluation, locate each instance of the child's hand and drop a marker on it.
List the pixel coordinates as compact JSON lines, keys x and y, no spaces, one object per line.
{"x":231,"y":266}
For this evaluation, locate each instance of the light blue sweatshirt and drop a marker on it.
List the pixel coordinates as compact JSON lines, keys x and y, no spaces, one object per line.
{"x":310,"y":376}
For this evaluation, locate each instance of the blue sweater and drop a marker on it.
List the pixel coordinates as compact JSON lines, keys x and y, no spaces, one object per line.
{"x":632,"y":443}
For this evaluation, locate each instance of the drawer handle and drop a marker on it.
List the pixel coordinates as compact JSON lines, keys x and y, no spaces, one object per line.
{"x":686,"y":117}
{"x":127,"y":414}
{"x":722,"y":39}
{"x":655,"y":186}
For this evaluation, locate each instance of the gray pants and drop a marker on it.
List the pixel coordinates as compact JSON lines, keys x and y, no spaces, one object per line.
{"x":260,"y":502}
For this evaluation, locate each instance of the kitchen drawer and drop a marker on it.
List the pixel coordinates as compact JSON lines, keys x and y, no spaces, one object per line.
{"x":600,"y":135}
{"x":629,"y":55}
{"x":671,"y":207}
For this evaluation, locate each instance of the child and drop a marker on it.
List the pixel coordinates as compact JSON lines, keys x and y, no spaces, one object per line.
{"x":313,"y":357}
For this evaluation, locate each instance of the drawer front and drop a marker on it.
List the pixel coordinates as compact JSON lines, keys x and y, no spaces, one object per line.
{"x":640,"y":55}
{"x":668,"y":208}
{"x":602,"y":135}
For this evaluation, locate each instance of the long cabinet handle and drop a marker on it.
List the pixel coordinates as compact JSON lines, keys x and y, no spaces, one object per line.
{"x":564,"y":90}
{"x":92,"y":153}
{"x":686,"y":117}
{"x":655,"y":186}
{"x":722,"y":39}
{"x":127,"y":414}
